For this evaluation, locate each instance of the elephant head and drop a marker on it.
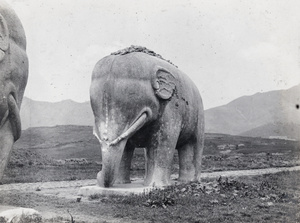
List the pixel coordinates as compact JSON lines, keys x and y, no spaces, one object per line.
{"x":13,"y":79}
{"x":126,"y":97}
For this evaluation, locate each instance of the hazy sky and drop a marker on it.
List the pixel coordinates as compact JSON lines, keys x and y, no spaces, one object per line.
{"x":229,"y":48}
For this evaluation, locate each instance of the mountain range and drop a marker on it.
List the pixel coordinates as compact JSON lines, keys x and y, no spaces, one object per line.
{"x":273,"y":113}
{"x":67,"y":112}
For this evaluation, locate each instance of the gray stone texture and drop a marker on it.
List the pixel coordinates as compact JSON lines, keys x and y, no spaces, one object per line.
{"x":13,"y":79}
{"x":141,"y":100}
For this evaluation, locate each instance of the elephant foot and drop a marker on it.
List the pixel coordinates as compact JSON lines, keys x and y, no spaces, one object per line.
{"x":156,"y":183}
{"x":123,"y":177}
{"x":185,"y":180}
{"x":102,"y":182}
{"x":197,"y":178}
{"x":158,"y":179}
{"x":186,"y":176}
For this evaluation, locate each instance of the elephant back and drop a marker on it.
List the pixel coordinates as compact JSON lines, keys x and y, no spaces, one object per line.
{"x":141,"y":49}
{"x":134,"y":64}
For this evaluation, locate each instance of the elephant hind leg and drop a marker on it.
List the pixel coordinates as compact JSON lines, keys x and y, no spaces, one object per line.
{"x":125,"y":165}
{"x":186,"y":163}
{"x":198,"y":161}
{"x":198,"y":149}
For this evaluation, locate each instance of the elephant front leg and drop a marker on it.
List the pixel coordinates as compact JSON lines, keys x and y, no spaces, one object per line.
{"x":158,"y":167}
{"x":125,"y":165}
{"x":159,"y":159}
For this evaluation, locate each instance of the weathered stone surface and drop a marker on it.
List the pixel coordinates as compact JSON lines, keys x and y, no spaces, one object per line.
{"x":141,"y":49}
{"x":13,"y":79}
{"x":140,"y":100}
{"x":16,"y":215}
{"x":136,"y":187}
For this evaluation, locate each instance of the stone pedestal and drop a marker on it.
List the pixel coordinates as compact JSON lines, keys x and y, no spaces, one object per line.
{"x":136,"y":187}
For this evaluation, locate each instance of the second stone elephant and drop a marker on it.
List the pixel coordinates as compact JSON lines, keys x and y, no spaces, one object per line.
{"x":140,"y":100}
{"x":13,"y":79}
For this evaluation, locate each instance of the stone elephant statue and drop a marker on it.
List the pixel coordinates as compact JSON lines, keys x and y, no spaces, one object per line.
{"x":141,"y":100}
{"x":13,"y":79}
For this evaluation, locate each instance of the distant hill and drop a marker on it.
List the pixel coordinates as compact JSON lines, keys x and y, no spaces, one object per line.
{"x":275,"y":130}
{"x":45,"y":137}
{"x":261,"y":111}
{"x":69,"y":141}
{"x":68,"y":112}
{"x":266,"y":114}
{"x":61,"y":142}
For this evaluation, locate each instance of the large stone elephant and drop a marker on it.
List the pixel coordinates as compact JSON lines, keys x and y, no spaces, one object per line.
{"x":13,"y":79}
{"x":141,"y":100}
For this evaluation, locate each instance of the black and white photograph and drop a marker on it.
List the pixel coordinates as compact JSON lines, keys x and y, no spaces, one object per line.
{"x":148,"y":111}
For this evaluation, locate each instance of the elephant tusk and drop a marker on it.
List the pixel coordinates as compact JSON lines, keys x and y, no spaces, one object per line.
{"x":132,"y":129}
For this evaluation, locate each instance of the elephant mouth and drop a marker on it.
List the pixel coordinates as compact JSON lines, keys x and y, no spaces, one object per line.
{"x":135,"y":126}
{"x":138,"y":123}
{"x":12,"y":114}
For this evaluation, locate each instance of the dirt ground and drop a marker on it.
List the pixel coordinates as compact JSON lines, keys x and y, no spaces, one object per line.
{"x":59,"y":199}
{"x":47,"y":175}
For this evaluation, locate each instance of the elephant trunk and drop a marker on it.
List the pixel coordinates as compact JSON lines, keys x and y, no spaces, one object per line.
{"x":6,"y":143}
{"x":111,"y":158}
{"x":14,"y":117}
{"x":10,"y":129}
{"x":112,"y":152}
{"x":9,"y":111}
{"x":4,"y":111}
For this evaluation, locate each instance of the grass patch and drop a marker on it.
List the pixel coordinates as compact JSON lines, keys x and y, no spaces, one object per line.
{"x":221,"y":200}
{"x":42,"y":154}
{"x":266,"y":198}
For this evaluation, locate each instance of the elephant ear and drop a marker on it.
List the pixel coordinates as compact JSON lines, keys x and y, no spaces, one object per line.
{"x":164,"y":84}
{"x":4,"y":37}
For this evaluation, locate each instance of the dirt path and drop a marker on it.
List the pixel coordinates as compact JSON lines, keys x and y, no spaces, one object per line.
{"x":67,"y":191}
{"x":81,"y":183}
{"x":253,"y":172}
